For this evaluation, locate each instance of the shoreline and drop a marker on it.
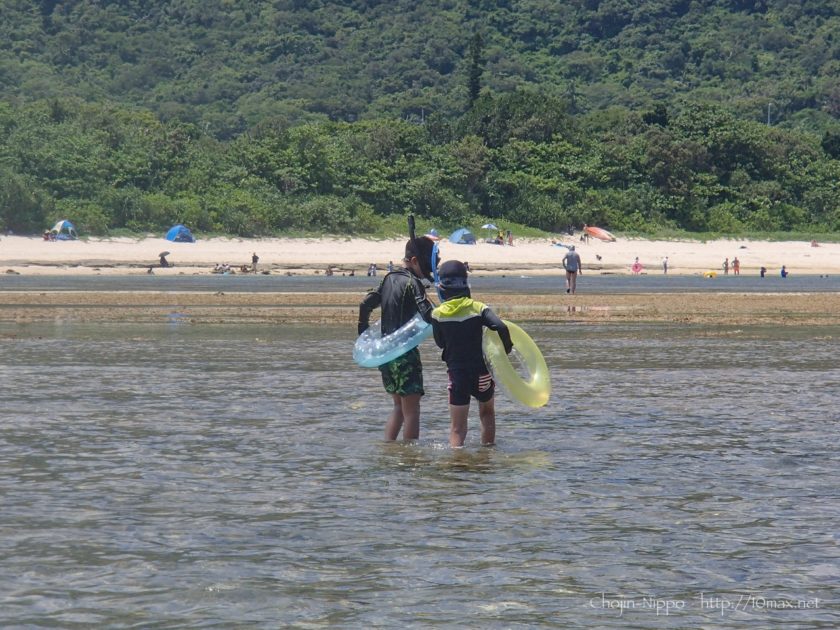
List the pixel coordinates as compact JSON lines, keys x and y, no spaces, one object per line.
{"x":312,"y":256}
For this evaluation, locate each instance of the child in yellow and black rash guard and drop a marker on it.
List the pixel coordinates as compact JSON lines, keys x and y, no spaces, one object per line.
{"x":458,"y":325}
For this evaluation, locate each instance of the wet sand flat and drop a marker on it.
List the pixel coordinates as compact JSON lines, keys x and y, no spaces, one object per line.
{"x":782,"y":309}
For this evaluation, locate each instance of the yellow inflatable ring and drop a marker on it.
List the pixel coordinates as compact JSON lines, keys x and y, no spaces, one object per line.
{"x":534,"y":391}
{"x":710,"y":274}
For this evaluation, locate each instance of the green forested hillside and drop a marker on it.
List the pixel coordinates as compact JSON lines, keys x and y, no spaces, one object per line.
{"x":265,"y":115}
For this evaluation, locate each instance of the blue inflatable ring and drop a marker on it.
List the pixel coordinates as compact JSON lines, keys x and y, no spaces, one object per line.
{"x":373,"y":350}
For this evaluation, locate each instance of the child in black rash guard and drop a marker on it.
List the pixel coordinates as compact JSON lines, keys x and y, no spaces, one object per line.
{"x":401,"y":295}
{"x":458,"y":326}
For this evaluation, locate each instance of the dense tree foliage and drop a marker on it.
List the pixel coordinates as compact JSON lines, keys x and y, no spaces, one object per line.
{"x":517,"y":156}
{"x":228,"y":65}
{"x":264,"y":116}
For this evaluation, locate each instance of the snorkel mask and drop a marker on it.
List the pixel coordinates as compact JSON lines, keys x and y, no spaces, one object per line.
{"x":429,"y":266}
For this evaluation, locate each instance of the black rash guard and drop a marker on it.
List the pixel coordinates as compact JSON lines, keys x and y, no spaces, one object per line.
{"x":458,"y":326}
{"x":401,"y":294}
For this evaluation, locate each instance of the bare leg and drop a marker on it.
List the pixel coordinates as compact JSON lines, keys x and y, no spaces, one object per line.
{"x":487,"y":414}
{"x":405,"y":414}
{"x":411,"y":416}
{"x":458,"y":429}
{"x":573,"y":282}
{"x":395,"y":419}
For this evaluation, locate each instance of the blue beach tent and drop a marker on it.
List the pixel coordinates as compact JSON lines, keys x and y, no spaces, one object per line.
{"x":180,"y":234}
{"x":64,"y":231}
{"x":462,"y":236}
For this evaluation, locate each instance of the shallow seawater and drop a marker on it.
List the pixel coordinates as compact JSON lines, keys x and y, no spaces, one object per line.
{"x":192,"y":476}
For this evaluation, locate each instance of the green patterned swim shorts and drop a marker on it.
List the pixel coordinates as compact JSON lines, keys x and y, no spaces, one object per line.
{"x":404,"y":375}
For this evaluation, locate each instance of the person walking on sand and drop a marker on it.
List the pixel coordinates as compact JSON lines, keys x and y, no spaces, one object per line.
{"x":665,"y":265}
{"x":784,"y":272}
{"x":458,"y":326}
{"x":401,"y":294}
{"x":572,"y":265}
{"x":726,"y":267}
{"x":736,"y":266}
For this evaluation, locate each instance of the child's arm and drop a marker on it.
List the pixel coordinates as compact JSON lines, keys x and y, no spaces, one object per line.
{"x":438,"y":333}
{"x":371,"y":301}
{"x":494,"y":322}
{"x":424,"y":306}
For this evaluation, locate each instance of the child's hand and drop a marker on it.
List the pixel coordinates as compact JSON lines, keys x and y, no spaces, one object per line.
{"x":363,"y":327}
{"x":508,"y":347}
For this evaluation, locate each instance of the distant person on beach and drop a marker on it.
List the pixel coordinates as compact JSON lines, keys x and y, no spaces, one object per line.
{"x":328,"y":271}
{"x":390,"y":266}
{"x":401,"y":294}
{"x":510,"y":238}
{"x":571,"y":263}
{"x":726,"y":267}
{"x":784,"y":272}
{"x":736,"y":266}
{"x":458,"y":325}
{"x":636,"y":267}
{"x":254,"y":260}
{"x":164,"y":262}
{"x":763,"y":271}
{"x":665,"y":265}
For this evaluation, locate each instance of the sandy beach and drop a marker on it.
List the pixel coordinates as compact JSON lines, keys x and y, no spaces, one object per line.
{"x":33,"y":255}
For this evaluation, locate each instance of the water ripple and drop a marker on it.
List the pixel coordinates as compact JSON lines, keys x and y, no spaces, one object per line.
{"x":164,"y":477}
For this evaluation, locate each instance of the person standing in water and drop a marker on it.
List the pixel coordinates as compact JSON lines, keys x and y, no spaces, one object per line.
{"x":571,"y":263}
{"x":401,"y":294}
{"x":458,"y":325}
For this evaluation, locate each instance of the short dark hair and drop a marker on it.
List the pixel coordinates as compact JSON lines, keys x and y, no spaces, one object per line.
{"x":421,"y":247}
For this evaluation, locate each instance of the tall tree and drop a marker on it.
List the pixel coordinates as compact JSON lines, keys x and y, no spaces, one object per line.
{"x":476,"y":68}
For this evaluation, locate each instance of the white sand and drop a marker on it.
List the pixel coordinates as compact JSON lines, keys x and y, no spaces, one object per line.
{"x":33,"y":255}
